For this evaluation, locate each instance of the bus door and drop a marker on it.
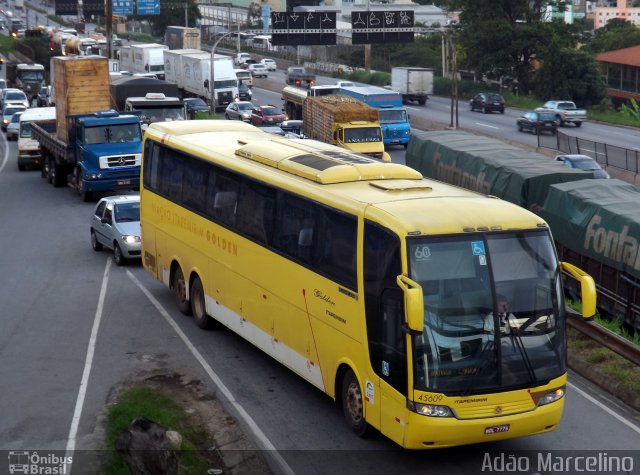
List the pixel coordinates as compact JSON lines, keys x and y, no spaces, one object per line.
{"x":393,"y":366}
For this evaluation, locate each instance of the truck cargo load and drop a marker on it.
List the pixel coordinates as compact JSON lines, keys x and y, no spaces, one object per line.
{"x":414,"y":84}
{"x":344,"y":121}
{"x":173,"y":67}
{"x":488,"y":166}
{"x":182,"y":37}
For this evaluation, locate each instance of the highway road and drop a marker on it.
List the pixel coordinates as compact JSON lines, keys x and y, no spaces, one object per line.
{"x":73,"y":326}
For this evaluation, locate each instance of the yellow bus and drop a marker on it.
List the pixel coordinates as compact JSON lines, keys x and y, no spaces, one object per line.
{"x":379,"y":287}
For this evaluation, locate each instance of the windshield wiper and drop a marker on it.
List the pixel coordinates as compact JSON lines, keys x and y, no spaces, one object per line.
{"x":489,"y":345}
{"x":514,"y":333}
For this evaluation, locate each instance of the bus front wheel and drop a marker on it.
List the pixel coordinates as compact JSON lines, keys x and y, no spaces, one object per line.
{"x":353,"y":405}
{"x":180,"y":291}
{"x":198,"y":305}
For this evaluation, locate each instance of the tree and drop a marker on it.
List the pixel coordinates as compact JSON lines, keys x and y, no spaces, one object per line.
{"x":506,"y":37}
{"x":172,"y":13}
{"x":616,"y":34}
{"x":570,"y":74}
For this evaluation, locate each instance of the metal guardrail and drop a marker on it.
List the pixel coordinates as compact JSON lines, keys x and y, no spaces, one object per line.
{"x":605,"y":337}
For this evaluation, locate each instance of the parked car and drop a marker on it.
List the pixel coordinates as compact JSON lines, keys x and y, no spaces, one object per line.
{"x":11,"y":94}
{"x":115,"y":224}
{"x":195,"y":104}
{"x":487,"y":102}
{"x":267,"y":115}
{"x":240,"y":110}
{"x":292,"y":126}
{"x":537,"y":122}
{"x":3,"y":84}
{"x":583,"y":162}
{"x":244,"y":92}
{"x":258,"y":70}
{"x":7,"y":113}
{"x":269,"y":63}
{"x":13,"y":129}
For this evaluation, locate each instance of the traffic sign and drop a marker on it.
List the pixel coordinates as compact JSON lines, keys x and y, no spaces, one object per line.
{"x":122,"y":7}
{"x":303,"y":28}
{"x":93,"y":7}
{"x":66,"y":7}
{"x":379,"y":26}
{"x":148,"y":7}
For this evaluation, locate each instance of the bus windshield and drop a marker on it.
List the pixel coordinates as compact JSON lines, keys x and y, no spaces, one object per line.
{"x":494,"y":315}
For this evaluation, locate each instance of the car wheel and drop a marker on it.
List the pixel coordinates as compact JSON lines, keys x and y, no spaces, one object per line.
{"x":353,"y":405}
{"x":179,"y":287}
{"x":485,"y":110}
{"x":578,"y":124}
{"x":198,"y":304}
{"x":226,"y":116}
{"x":117,"y":254}
{"x":519,"y":128}
{"x":502,"y":111}
{"x":94,"y":242}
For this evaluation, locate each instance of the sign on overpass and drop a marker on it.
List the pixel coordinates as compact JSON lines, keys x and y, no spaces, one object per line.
{"x":371,"y":27}
{"x":303,"y":28}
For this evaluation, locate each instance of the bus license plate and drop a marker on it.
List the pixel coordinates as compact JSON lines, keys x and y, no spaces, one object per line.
{"x":497,"y":429}
{"x":124,"y":182}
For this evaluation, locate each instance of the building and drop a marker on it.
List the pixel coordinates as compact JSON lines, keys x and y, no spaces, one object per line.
{"x":624,"y":11}
{"x":622,"y":72}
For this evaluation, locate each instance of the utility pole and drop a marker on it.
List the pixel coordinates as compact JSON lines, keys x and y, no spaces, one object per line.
{"x":109,"y":22}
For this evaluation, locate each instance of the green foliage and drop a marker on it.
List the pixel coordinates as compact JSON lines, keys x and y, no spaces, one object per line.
{"x":41,"y":51}
{"x":140,"y":38}
{"x":7,"y":44}
{"x":572,"y":74}
{"x":616,"y":34}
{"x":632,"y":111}
{"x":142,"y":401}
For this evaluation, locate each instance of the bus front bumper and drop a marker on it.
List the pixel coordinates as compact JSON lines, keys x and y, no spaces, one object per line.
{"x":424,"y":432}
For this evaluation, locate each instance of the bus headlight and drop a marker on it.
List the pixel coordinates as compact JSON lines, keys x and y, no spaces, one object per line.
{"x":431,"y":410}
{"x":553,"y":396}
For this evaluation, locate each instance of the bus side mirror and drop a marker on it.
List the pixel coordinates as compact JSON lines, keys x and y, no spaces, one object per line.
{"x":386,"y":157}
{"x":587,"y":289}
{"x":413,"y":304}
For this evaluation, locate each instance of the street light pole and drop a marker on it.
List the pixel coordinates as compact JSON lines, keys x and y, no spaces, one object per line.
{"x":212,"y":81}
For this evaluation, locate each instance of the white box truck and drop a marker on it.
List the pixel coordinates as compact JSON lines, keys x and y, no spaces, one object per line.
{"x":148,"y":58}
{"x":197,"y":74}
{"x":414,"y":84}
{"x":173,"y":67}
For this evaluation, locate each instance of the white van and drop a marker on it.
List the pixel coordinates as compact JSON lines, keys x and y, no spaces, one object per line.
{"x":28,"y":149}
{"x":244,"y":76}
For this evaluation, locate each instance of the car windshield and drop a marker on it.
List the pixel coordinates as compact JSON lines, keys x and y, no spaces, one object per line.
{"x":245,"y":107}
{"x":127,"y":212}
{"x":470,"y":343}
{"x":12,"y":110}
{"x":270,"y":111}
{"x":14,"y":96}
{"x":197,"y":102}
{"x":15,"y":118}
{"x":25,"y":128}
{"x":585,"y":164}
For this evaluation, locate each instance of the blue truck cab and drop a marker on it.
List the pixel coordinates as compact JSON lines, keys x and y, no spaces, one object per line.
{"x":393,"y":117}
{"x":108,"y":151}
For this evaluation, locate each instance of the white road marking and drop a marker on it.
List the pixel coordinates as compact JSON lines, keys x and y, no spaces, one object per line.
{"x":487,"y":125}
{"x":608,"y":410}
{"x":260,"y":436}
{"x":77,"y":413}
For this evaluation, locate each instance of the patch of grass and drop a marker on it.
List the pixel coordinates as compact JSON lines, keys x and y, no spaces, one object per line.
{"x":7,"y":44}
{"x":142,"y":401}
{"x":612,"y":117}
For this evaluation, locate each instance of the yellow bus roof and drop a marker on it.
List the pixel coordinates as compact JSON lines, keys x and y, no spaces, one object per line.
{"x":388,"y":191}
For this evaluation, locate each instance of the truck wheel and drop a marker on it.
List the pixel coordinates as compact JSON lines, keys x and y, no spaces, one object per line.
{"x":84,"y":194}
{"x":59,"y":178}
{"x":578,"y":123}
{"x":422,"y":101}
{"x":21,"y":167}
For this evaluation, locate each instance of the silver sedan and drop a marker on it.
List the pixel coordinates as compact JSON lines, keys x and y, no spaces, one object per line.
{"x":115,"y":224}
{"x":240,"y":110}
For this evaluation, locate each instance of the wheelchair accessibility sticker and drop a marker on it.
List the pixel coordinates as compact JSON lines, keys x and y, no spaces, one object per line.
{"x":478,"y":248}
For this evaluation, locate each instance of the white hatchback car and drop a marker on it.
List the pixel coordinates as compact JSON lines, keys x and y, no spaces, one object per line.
{"x":115,"y":224}
{"x":258,"y":70}
{"x":270,"y":64}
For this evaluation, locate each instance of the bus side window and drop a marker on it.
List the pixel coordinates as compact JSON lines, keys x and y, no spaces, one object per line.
{"x":222,"y":197}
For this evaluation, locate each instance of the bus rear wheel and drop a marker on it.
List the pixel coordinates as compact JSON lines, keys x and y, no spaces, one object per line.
{"x":353,"y":405}
{"x":198,"y":304}
{"x":180,"y":291}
